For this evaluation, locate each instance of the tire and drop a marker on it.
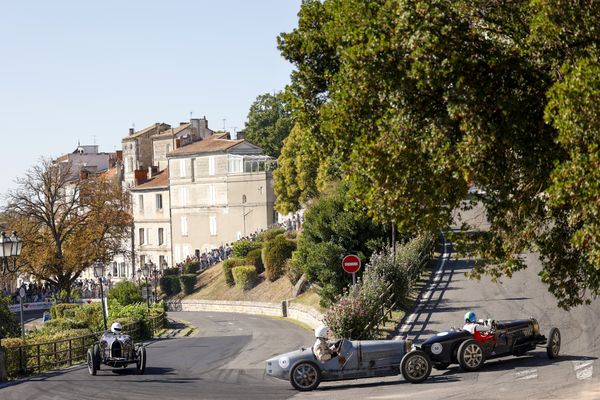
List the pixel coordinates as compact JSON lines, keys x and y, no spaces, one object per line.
{"x":440,"y":366}
{"x":96,"y":352}
{"x":91,"y":362}
{"x":141,"y":360}
{"x":554,"y":341}
{"x":305,"y":376}
{"x":471,"y":355}
{"x":415,"y":366}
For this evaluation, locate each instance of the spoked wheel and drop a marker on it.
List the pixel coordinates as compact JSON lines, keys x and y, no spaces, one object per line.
{"x":415,"y":366}
{"x":553,"y":347}
{"x":305,"y":376}
{"x":141,"y":360}
{"x":470,"y":355}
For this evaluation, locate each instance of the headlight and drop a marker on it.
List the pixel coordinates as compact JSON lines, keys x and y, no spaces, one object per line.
{"x":536,"y":326}
{"x":408,"y":343}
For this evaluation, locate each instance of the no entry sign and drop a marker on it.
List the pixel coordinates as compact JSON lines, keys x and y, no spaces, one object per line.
{"x":351,"y":264}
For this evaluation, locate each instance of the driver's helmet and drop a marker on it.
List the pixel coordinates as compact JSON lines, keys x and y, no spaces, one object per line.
{"x":116,"y":328}
{"x":322,"y":332}
{"x":470,"y":317}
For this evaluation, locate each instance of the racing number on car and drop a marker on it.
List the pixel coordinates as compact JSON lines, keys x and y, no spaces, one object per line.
{"x":284,"y":362}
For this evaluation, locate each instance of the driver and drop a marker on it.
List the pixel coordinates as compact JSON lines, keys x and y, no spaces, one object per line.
{"x":473,"y":326}
{"x":116,"y":328}
{"x":321,"y":349}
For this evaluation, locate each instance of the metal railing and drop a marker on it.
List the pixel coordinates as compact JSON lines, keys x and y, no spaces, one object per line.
{"x":39,"y":357}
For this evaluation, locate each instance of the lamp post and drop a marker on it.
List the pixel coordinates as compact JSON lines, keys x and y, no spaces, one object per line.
{"x":146,"y":273}
{"x":99,"y":273}
{"x":10,"y":249}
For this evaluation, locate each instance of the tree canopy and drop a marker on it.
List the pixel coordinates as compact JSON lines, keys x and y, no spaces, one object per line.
{"x":66,"y":223}
{"x":413,"y":101}
{"x":269,"y":123}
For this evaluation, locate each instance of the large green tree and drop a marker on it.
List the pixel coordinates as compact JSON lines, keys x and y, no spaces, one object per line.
{"x":269,"y":123}
{"x":417,"y":99}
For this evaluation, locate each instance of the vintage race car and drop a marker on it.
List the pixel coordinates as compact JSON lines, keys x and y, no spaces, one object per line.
{"x":352,"y":360}
{"x":117,"y":351}
{"x":514,"y":337}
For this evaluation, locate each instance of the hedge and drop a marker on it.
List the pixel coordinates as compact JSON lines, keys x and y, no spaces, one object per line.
{"x":254,"y":257}
{"x":241,"y":248}
{"x":270,"y":234}
{"x":275,"y":254}
{"x":191,"y":268}
{"x":188,"y":281}
{"x":228,"y":265}
{"x":125,"y":292}
{"x":245,"y":276}
{"x":58,"y":325}
{"x":170,"y":285}
{"x":171,"y":271}
{"x":63,"y":310}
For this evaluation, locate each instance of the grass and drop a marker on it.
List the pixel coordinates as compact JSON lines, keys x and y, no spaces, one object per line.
{"x":310,"y":298}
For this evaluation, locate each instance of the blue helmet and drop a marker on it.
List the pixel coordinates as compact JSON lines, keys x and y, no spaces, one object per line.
{"x":470,"y":316}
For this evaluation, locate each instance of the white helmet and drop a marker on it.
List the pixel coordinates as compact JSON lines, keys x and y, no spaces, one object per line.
{"x":116,"y":328}
{"x":321,"y":332}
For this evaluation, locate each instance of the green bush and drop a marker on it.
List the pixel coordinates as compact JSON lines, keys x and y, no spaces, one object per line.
{"x":276,"y":253}
{"x":125,"y":292}
{"x":228,"y":265}
{"x":244,"y":276}
{"x":63,"y":310}
{"x":350,"y":316}
{"x":241,"y":248}
{"x":188,"y":281}
{"x":171,"y":271}
{"x":270,"y":234}
{"x":91,"y":314}
{"x":169,"y":284}
{"x":293,"y":270}
{"x":9,"y":325}
{"x":254,"y":257}
{"x":58,"y":325}
{"x":191,"y":267}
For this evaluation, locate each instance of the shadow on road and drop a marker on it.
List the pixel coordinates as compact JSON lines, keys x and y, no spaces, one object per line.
{"x":430,"y":380}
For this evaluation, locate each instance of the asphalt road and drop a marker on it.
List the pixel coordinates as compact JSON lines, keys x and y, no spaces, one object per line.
{"x":224,"y":361}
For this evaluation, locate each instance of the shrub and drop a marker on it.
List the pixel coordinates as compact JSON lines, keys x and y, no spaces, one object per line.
{"x":169,"y":285}
{"x":9,"y":325}
{"x":61,"y":324}
{"x":125,"y":292}
{"x":91,"y":314}
{"x":171,"y":271}
{"x":291,"y":235}
{"x":244,"y":276}
{"x":350,"y":316}
{"x":63,"y":310}
{"x":188,"y":281}
{"x":191,"y":267}
{"x":254,"y":257}
{"x":241,"y":248}
{"x":270,"y":234}
{"x":228,"y":265}
{"x":276,"y":253}
{"x":293,"y":270}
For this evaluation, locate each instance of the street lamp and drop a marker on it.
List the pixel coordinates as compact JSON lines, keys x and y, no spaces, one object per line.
{"x":146,"y":273}
{"x":10,"y":249}
{"x":99,"y":273}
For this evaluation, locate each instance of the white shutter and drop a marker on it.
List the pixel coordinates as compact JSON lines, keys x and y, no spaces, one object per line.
{"x":211,"y":165}
{"x":213,"y":225}
{"x":184,"y":226}
{"x":182,"y":168}
{"x":148,"y":236}
{"x":212,"y":195}
{"x":183,"y":196}
{"x":177,"y":254}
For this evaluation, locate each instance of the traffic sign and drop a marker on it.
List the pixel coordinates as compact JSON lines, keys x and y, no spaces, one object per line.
{"x":351,"y":264}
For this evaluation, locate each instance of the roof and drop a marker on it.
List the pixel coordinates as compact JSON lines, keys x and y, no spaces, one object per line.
{"x":145,"y":130}
{"x":161,"y":179}
{"x":213,"y":144}
{"x":110,"y":173}
{"x":171,"y":132}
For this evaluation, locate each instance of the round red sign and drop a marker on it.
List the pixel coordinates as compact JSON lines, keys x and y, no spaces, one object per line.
{"x":351,"y":264}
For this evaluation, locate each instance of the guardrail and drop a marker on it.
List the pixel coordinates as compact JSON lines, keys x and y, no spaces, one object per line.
{"x":39,"y":357}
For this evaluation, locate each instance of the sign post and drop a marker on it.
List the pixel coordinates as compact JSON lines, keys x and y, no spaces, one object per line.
{"x":21,"y":295}
{"x":351,"y":265}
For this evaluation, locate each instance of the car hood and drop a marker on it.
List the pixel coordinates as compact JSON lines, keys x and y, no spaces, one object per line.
{"x":291,"y":355}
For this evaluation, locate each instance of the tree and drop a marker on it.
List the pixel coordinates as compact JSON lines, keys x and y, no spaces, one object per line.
{"x":9,"y":326}
{"x":415,"y":100}
{"x":66,"y":224}
{"x":269,"y":123}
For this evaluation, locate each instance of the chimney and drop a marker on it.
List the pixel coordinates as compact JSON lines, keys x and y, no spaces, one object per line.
{"x":131,"y":131}
{"x":83,"y":174}
{"x":150,"y":175}
{"x":140,"y":176}
{"x":177,"y":143}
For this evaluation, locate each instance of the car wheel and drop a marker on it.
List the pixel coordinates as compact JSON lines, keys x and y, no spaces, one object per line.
{"x":441,"y":366}
{"x":305,"y":376}
{"x":91,"y":362}
{"x":553,"y":347}
{"x":96,"y":352}
{"x":141,"y":360}
{"x":471,"y":355}
{"x":415,"y":366}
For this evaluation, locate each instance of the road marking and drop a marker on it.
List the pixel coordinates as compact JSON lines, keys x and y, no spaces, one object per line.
{"x":527,"y":374}
{"x":583,"y":369}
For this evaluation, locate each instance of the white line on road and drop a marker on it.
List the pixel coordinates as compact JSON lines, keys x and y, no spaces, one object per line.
{"x":583,"y":369}
{"x":527,"y":374}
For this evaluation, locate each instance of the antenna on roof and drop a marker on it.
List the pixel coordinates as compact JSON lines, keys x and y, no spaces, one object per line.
{"x":224,"y":124}
{"x":191,"y":114}
{"x":94,"y":136}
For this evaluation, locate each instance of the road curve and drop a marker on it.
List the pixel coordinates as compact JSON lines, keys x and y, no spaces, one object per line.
{"x":224,"y":361}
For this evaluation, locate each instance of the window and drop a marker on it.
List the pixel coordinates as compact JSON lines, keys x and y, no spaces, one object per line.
{"x":177,"y":255}
{"x":159,"y":205}
{"x":141,"y":236}
{"x":168,"y":148}
{"x":142,"y":261}
{"x":115,"y":271}
{"x":211,"y":165}
{"x":122,"y":269}
{"x":148,"y":236}
{"x":186,"y":251}
{"x":236,"y":164}
{"x":212,"y":195}
{"x":182,"y":168}
{"x":161,"y":236}
{"x":161,"y":262}
{"x":183,"y":196}
{"x":184,"y":226}
{"x":213,"y":225}
{"x":141,"y":203}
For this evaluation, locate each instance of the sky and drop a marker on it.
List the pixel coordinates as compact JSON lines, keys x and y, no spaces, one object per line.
{"x":85,"y":72}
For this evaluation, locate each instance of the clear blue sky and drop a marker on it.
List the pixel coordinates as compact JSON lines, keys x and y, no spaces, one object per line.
{"x":72,"y":70}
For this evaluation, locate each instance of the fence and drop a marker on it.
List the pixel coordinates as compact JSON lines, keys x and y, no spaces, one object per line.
{"x":38,"y":357}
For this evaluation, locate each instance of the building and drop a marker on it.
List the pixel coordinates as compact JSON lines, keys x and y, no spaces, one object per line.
{"x":87,"y":159}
